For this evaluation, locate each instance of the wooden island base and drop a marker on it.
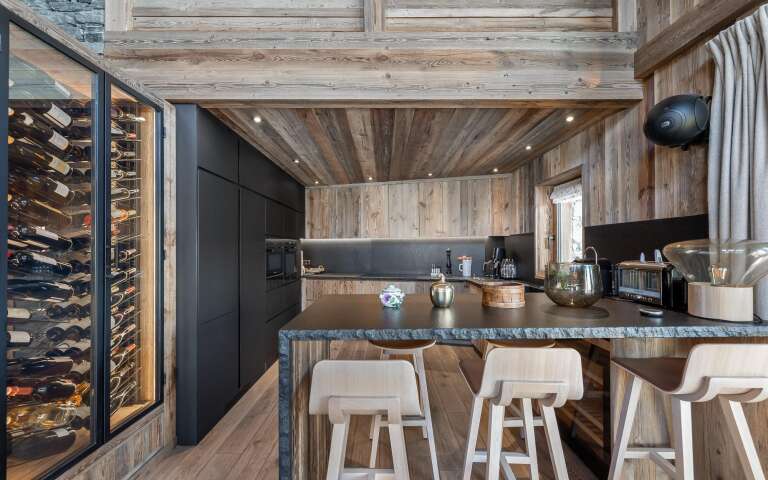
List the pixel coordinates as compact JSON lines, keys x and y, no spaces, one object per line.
{"x":714,"y":452}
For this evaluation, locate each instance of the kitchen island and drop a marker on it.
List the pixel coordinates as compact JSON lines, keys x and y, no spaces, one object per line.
{"x":306,"y":340}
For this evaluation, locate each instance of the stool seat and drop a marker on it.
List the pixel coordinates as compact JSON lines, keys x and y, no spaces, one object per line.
{"x":521,"y":343}
{"x":402,"y":344}
{"x":473,"y":373}
{"x":665,"y":373}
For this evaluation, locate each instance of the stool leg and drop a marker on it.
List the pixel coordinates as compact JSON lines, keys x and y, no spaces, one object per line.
{"x":376,"y":428}
{"x":555,"y":445}
{"x":376,"y":421}
{"x":338,"y":450}
{"x":495,"y":431}
{"x":742,"y":439}
{"x":626,"y":419}
{"x":681,"y":420}
{"x":474,"y":426}
{"x":421,"y":374}
{"x":399,"y":457}
{"x":530,"y":437}
{"x":428,"y":430}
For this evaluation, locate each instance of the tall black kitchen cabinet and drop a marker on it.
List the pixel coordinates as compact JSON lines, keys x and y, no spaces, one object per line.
{"x":227,"y":195}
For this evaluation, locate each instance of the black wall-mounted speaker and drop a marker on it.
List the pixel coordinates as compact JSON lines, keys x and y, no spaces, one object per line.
{"x":678,"y":121}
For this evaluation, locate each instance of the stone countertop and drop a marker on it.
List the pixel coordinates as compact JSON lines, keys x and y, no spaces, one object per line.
{"x":349,"y":317}
{"x":479,"y":281}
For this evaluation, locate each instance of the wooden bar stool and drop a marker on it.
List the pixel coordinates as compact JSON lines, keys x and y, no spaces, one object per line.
{"x":549,"y":375}
{"x":341,"y":388}
{"x":732,"y":373}
{"x":414,"y":348}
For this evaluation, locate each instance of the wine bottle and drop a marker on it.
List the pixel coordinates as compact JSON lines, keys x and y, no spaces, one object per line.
{"x":82,"y":418}
{"x":45,"y":187}
{"x":39,"y":416}
{"x":81,"y":242}
{"x":80,"y":267}
{"x":45,"y":391}
{"x":71,"y":310}
{"x":120,"y":358}
{"x":42,"y":444}
{"x":39,"y":367}
{"x":116,"y":276}
{"x":18,"y":338}
{"x":71,"y":349}
{"x":24,"y":289}
{"x":34,"y":127}
{"x":122,"y":116}
{"x":118,"y":316}
{"x":127,"y":254}
{"x":32,"y":156}
{"x":36,"y":212}
{"x":81,"y":372}
{"x":117,"y":378}
{"x":121,"y":215}
{"x":19,"y":314}
{"x":74,"y":331}
{"x":49,"y":110}
{"x":40,"y":236}
{"x":81,"y":285}
{"x":119,"y":337}
{"x":37,"y":264}
{"x":119,"y":399}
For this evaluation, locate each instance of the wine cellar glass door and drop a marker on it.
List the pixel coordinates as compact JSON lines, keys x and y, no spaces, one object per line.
{"x":132,"y":261}
{"x":51,"y":293}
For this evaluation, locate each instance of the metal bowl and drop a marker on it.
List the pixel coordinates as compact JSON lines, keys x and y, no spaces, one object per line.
{"x":573,"y":284}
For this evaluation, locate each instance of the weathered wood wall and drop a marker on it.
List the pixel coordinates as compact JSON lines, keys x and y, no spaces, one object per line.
{"x":348,"y":15}
{"x":473,"y":206}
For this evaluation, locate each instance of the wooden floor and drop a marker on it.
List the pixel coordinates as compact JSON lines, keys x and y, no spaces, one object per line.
{"x":244,"y":444}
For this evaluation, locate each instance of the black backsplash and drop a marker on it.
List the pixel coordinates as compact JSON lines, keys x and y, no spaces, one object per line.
{"x":625,"y":241}
{"x":392,"y":256}
{"x":522,"y":249}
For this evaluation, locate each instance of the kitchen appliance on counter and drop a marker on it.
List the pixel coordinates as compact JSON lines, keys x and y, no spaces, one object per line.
{"x":465,"y":266}
{"x":606,"y":273}
{"x":721,"y":276}
{"x":653,"y":283}
{"x":573,"y":284}
{"x":492,"y":267}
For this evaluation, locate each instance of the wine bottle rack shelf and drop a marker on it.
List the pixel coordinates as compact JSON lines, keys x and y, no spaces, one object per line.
{"x":80,"y":365}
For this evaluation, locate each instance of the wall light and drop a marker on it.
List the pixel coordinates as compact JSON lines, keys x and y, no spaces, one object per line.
{"x":569,"y":118}
{"x":257,"y":119}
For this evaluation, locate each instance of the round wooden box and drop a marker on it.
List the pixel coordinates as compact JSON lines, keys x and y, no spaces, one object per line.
{"x":511,"y":295}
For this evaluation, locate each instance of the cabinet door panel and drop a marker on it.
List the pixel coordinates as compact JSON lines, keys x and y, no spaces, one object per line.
{"x":217,"y":384}
{"x":217,"y":146}
{"x":217,"y":249}
{"x":261,"y":175}
{"x":276,"y":219}
{"x":252,"y":285}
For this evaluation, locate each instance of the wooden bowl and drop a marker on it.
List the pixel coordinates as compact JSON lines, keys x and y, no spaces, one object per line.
{"x":511,"y":295}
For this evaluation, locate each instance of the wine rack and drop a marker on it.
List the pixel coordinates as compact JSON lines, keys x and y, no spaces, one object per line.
{"x":82,"y":260}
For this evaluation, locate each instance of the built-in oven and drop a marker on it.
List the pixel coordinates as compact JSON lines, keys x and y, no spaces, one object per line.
{"x":274,"y":263}
{"x":291,"y":261}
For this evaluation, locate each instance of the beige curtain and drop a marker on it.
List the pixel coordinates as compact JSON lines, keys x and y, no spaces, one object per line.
{"x":738,"y":138}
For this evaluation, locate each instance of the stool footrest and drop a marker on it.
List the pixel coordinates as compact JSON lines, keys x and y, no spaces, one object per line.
{"x":368,"y":474}
{"x":515,"y":422}
{"x":645,"y":452}
{"x":514,"y":458}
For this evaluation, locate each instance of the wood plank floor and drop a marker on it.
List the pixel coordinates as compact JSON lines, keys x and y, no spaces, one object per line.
{"x":243,"y":445}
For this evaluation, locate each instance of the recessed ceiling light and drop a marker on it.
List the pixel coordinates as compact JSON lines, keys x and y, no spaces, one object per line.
{"x":569,"y":118}
{"x":370,"y":178}
{"x":296,"y":160}
{"x":495,"y":170}
{"x":429,"y":174}
{"x":528,"y":147}
{"x":257,"y":119}
{"x":317,"y":182}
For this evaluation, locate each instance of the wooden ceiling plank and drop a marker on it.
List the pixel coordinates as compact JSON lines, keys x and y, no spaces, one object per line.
{"x":334,"y":122}
{"x":425,"y":136}
{"x":477,"y":128}
{"x":400,"y":136}
{"x":361,"y":128}
{"x":383,"y":132}
{"x":328,"y":154}
{"x":294,"y":133}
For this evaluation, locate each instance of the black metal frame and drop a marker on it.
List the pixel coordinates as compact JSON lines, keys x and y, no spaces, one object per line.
{"x":101,"y":229}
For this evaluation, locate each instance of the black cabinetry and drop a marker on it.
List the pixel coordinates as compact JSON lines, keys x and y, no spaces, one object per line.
{"x":230,"y":200}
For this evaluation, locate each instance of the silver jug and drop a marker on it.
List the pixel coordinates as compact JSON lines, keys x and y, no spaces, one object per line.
{"x":441,"y":292}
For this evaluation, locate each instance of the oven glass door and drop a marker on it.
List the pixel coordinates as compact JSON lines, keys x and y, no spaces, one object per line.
{"x":291,"y":263}
{"x":275,"y":271}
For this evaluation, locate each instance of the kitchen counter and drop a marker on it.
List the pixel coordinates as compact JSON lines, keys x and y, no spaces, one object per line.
{"x":479,"y":281}
{"x":306,"y":340}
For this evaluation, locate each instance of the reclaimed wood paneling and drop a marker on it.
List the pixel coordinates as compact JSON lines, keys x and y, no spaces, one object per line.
{"x":689,"y":24}
{"x":422,"y":209}
{"x":347,"y":215}
{"x":375,"y":211}
{"x":403,"y":216}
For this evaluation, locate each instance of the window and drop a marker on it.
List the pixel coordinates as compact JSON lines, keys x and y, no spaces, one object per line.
{"x":566,"y":199}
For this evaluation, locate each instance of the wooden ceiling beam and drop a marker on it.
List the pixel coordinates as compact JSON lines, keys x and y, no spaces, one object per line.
{"x":385,"y":68}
